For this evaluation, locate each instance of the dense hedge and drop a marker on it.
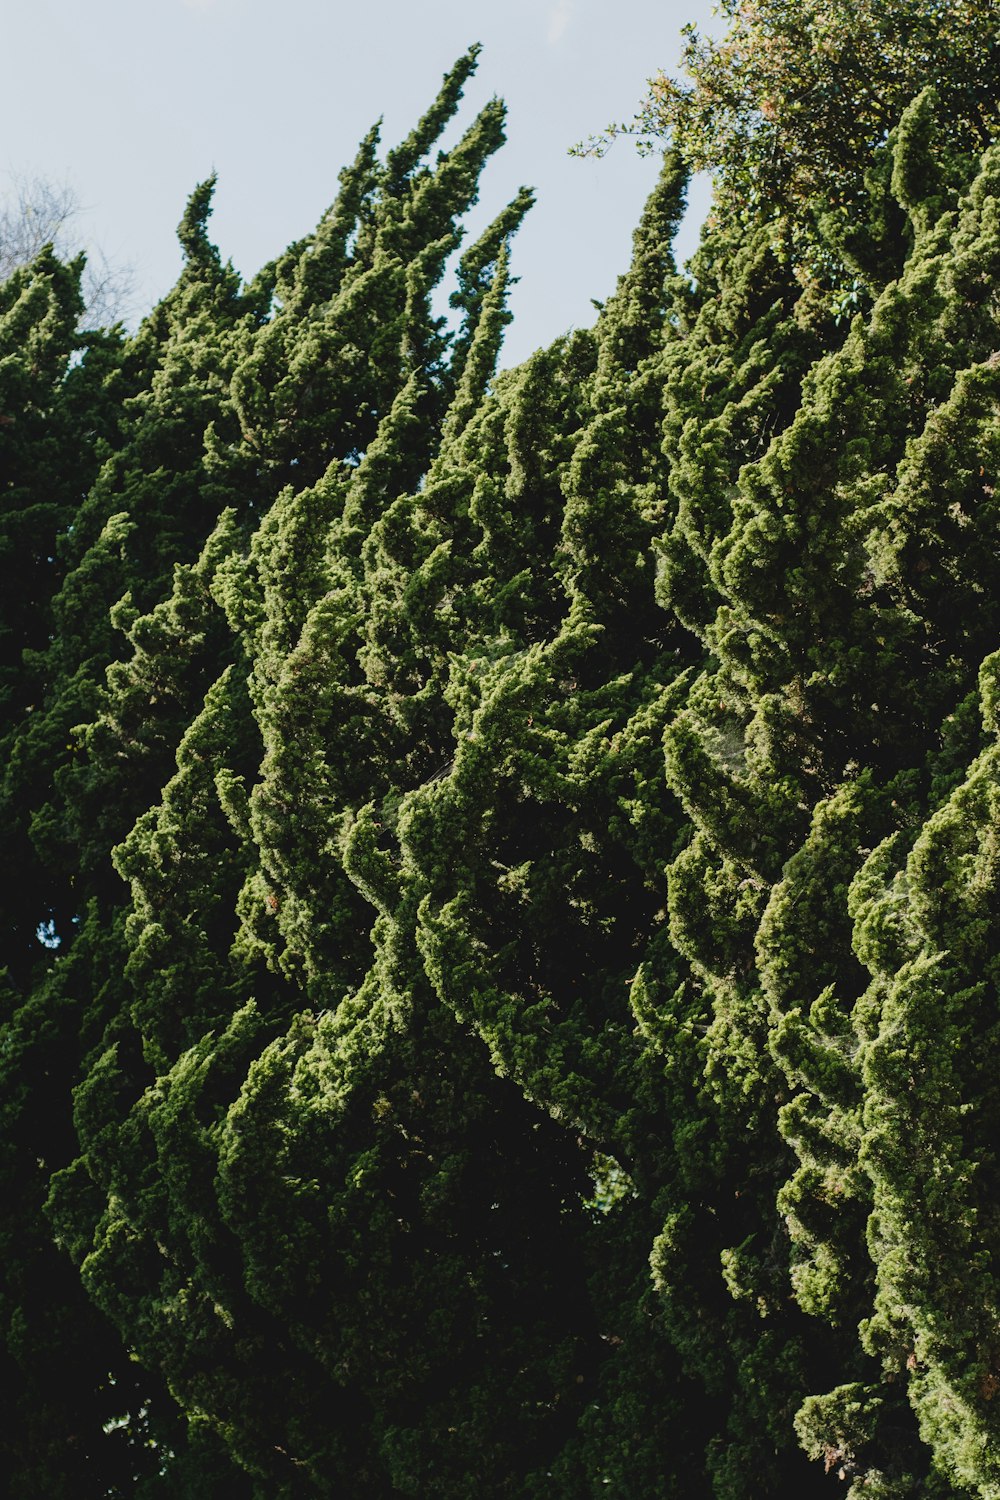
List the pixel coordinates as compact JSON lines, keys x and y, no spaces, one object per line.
{"x":501,"y":931}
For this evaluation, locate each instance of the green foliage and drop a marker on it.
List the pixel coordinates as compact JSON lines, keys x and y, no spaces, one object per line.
{"x":793,"y":99}
{"x":514,"y":856}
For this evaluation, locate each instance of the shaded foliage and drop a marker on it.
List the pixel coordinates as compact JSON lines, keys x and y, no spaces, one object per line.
{"x":514,"y":855}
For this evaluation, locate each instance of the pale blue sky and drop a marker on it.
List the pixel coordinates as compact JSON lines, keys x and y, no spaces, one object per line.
{"x":131,"y":102}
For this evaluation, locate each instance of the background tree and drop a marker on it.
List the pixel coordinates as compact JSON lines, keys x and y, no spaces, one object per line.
{"x":36,"y":212}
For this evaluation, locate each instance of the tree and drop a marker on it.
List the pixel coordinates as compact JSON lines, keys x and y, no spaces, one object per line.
{"x":37,"y":213}
{"x":792,"y":107}
{"x":521,"y":846}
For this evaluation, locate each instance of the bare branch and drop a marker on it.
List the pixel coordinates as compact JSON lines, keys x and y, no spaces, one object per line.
{"x":36,"y":212}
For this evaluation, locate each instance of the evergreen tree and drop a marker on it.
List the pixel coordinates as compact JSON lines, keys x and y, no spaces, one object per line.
{"x":500,"y":988}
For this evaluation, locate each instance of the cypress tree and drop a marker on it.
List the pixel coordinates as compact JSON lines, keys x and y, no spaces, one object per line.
{"x":182,"y":861}
{"x":520,"y":846}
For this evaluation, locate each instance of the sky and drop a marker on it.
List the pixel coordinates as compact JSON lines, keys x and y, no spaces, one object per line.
{"x":130,"y":103}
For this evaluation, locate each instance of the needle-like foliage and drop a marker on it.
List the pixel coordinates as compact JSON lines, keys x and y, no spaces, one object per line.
{"x":502,"y":958}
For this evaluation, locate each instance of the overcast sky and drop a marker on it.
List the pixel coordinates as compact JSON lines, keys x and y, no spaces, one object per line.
{"x":131,"y":102}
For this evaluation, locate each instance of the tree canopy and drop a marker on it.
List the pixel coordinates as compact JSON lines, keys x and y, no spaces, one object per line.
{"x":501,"y":957}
